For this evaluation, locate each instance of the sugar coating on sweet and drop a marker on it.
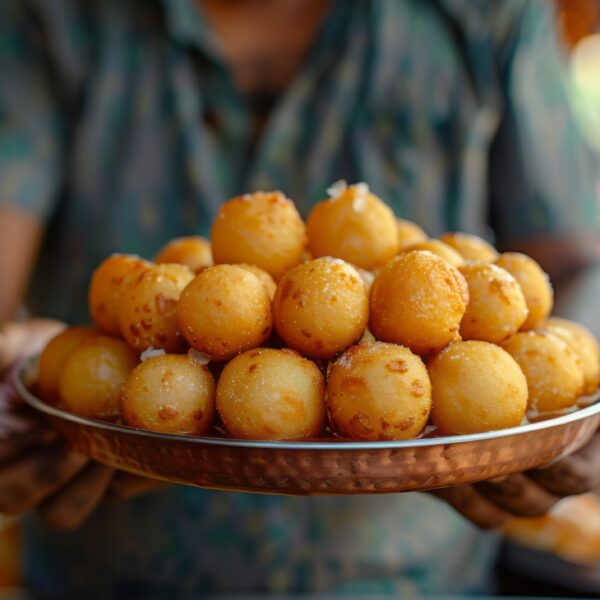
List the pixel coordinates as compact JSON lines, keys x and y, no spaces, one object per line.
{"x":150,"y":352}
{"x":200,"y":358}
{"x":361,"y":188}
{"x":336,"y":189}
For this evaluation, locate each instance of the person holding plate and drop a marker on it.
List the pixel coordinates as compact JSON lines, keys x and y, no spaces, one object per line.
{"x":124,"y":124}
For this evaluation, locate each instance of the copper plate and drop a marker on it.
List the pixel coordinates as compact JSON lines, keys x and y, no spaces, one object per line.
{"x":324,"y":467}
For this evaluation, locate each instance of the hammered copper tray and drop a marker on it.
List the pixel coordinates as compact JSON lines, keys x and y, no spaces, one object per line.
{"x":320,"y":467}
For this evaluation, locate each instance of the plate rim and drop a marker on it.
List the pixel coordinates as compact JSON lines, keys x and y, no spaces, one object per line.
{"x":18,"y":376}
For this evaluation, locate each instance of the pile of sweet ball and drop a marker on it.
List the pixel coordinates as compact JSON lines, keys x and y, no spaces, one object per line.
{"x":354,"y":323}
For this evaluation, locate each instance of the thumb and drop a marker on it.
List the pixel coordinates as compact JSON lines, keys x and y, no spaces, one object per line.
{"x":13,"y":337}
{"x":20,"y":339}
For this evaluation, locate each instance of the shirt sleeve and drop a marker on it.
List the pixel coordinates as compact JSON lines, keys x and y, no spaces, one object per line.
{"x":543,"y":176}
{"x":31,"y":126}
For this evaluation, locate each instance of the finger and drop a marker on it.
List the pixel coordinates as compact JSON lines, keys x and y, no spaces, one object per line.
{"x":21,"y":339}
{"x":13,"y":337}
{"x":18,"y":418}
{"x":20,"y":444}
{"x":8,"y":393}
{"x":9,"y":397}
{"x":43,"y":328}
{"x":126,"y":485}
{"x":37,"y":340}
{"x":575,"y":474}
{"x":25,"y":482}
{"x":15,"y":415}
{"x":472,"y":505}
{"x":518,"y":495}
{"x":73,"y":504}
{"x":16,"y":423}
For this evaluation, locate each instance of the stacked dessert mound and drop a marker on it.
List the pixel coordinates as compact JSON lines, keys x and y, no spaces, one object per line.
{"x":354,"y":323}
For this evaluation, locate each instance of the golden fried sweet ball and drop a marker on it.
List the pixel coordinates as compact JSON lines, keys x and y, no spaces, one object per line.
{"x":418,"y":301}
{"x":476,"y":387}
{"x":496,"y":308}
{"x":409,"y":233}
{"x":321,"y":307}
{"x":267,"y":280}
{"x":225,"y":310}
{"x":263,"y":229}
{"x":93,"y":377}
{"x":583,"y":342}
{"x":193,"y":251}
{"x":54,"y":356}
{"x":535,"y":285}
{"x":553,"y":371}
{"x":109,"y":281}
{"x":470,"y":247}
{"x":149,"y":308}
{"x":378,"y":391}
{"x":354,"y":225}
{"x":170,"y":394}
{"x":268,"y":394}
{"x":449,"y":254}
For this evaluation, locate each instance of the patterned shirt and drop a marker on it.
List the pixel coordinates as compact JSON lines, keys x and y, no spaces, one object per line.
{"x":121,"y":127}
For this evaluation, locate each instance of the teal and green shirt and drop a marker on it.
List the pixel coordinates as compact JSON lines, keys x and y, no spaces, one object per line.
{"x":121,"y":127}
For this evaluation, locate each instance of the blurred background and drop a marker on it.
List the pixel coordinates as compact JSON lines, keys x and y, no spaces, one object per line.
{"x":579,"y":21}
{"x":560,"y":553}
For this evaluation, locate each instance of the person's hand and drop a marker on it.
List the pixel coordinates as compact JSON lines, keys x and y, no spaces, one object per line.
{"x":21,"y":339}
{"x":37,"y":468}
{"x":490,"y":504}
